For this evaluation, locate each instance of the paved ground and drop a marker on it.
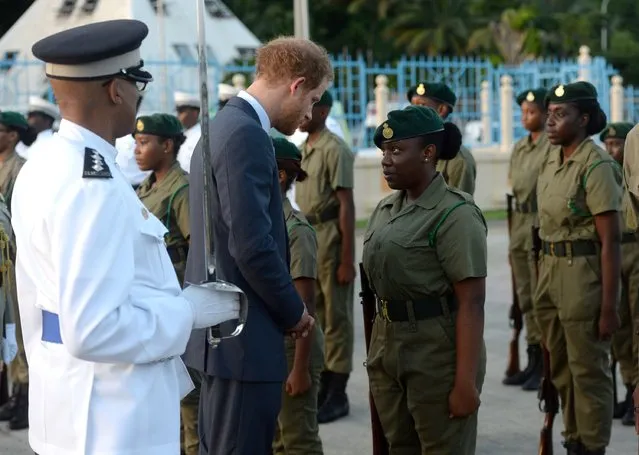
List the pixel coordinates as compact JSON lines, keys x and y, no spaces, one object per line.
{"x":509,"y":419}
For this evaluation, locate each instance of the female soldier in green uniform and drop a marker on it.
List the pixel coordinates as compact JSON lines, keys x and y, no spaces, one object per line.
{"x":165,"y":193}
{"x":297,"y":427}
{"x":425,"y":257}
{"x":13,"y":129}
{"x":625,"y":346}
{"x":579,"y":199}
{"x":528,"y":155}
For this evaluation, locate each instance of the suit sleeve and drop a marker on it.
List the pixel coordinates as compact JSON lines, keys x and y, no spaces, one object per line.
{"x":92,"y":239}
{"x":244,"y":173}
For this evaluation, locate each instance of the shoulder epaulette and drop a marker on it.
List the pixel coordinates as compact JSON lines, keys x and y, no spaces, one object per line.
{"x":94,"y":165}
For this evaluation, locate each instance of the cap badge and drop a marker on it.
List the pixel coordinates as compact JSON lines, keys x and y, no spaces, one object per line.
{"x":530,"y":96}
{"x":559,"y":91}
{"x":421,"y":90}
{"x":387,"y":132}
{"x":140,"y":125}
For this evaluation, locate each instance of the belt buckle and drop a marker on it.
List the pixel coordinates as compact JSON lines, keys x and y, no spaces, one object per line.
{"x":568,"y":248}
{"x":552,"y":248}
{"x":383,"y":303}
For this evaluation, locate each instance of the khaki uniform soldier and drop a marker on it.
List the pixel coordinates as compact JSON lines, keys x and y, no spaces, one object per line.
{"x":326,"y":199}
{"x":425,"y":255}
{"x":165,"y":193}
{"x":13,"y":130}
{"x":528,"y":155}
{"x":579,"y":199}
{"x":625,"y":343}
{"x":461,"y":171}
{"x":297,"y":430}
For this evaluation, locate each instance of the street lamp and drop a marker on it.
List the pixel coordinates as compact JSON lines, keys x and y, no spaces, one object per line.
{"x":604,"y":25}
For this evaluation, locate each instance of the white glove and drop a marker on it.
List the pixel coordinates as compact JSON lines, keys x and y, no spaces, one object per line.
{"x":9,"y":344}
{"x":212,"y":306}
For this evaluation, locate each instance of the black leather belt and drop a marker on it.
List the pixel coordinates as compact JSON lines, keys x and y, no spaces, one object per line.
{"x":526,"y":207}
{"x":425,"y":308}
{"x":628,"y":237}
{"x":331,"y":213}
{"x":569,"y":249}
{"x":177,"y":253}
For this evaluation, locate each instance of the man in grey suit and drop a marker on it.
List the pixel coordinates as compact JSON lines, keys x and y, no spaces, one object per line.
{"x":242,"y":382}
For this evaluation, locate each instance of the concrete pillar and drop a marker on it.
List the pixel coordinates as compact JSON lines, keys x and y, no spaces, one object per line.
{"x":585,"y":63}
{"x":486,"y":127}
{"x":239,"y":81}
{"x":382,"y":95}
{"x":616,"y":99}
{"x":506,"y":95}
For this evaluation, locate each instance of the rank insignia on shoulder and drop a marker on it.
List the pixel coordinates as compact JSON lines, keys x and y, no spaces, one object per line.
{"x":94,"y":165}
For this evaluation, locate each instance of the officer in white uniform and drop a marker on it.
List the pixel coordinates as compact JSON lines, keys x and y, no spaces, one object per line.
{"x":188,"y":112}
{"x":41,"y":116}
{"x":103,"y":315}
{"x":125,"y":158}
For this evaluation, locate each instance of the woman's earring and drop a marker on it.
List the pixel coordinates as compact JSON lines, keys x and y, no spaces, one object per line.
{"x":425,"y":160}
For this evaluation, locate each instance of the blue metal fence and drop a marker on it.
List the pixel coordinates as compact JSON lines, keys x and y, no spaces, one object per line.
{"x":354,"y":86}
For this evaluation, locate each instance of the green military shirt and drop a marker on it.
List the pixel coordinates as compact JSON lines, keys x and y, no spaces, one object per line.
{"x":631,"y":179}
{"x":168,"y":200}
{"x":460,"y":172}
{"x":329,"y":165}
{"x":422,"y":248}
{"x":7,"y":259}
{"x":9,"y":170}
{"x":570,"y":193}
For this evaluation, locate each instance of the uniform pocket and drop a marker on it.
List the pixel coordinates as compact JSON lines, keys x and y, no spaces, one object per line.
{"x":151,"y":249}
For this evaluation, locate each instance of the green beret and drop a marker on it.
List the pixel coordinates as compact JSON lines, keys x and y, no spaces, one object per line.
{"x":617,"y":130}
{"x":325,"y":100}
{"x":285,"y":149}
{"x":568,"y":93}
{"x":13,"y":120}
{"x":535,"y":95}
{"x":435,"y":90}
{"x":164,"y":125}
{"x":406,"y":123}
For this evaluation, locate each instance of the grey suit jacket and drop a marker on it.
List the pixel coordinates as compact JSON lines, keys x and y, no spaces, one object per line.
{"x":251,"y":247}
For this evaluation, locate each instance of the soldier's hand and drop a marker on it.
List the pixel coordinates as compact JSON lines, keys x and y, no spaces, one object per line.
{"x":463,"y":400}
{"x":304,"y":326}
{"x":608,"y":324}
{"x":345,"y":273}
{"x":298,"y":382}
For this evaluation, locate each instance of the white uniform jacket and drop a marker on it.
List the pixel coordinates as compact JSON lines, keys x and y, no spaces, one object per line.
{"x":89,"y":252}
{"x":186,"y":150}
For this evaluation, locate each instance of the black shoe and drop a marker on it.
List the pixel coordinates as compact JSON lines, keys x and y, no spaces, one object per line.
{"x":573,"y":448}
{"x":520,"y":378}
{"x":324,"y":386}
{"x":536,"y":363}
{"x":336,"y":405}
{"x":628,"y":418}
{"x":585,"y":451}
{"x":7,"y":410}
{"x":20,"y":419}
{"x":621,"y":408}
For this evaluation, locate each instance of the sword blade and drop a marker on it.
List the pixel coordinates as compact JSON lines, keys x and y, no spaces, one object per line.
{"x":209,"y":252}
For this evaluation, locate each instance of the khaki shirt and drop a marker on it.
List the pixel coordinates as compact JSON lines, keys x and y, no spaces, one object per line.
{"x":525,"y":163}
{"x":7,"y":259}
{"x":406,"y":257}
{"x":329,"y":165}
{"x":168,"y":200}
{"x":302,"y":243}
{"x":569,"y":194}
{"x":631,"y":179}
{"x":9,"y":170}
{"x":460,"y":172}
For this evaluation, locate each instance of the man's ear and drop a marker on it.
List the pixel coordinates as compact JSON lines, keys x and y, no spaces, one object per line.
{"x":114,"y":89}
{"x":297,"y":84}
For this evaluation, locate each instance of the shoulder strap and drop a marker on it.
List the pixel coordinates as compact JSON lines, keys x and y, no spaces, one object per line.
{"x":170,"y":206}
{"x":432,"y":236}
{"x":592,"y":168}
{"x":295,"y":222}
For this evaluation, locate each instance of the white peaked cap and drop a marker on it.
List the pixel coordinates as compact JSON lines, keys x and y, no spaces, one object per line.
{"x":226,"y":91}
{"x":183,"y":99}
{"x":37,"y":104}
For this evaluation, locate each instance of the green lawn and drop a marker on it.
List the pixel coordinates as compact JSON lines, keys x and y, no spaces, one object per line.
{"x":490,"y":215}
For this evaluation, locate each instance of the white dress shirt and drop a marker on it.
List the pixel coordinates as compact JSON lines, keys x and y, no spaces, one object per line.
{"x":126,"y":160}
{"x":186,"y":150}
{"x":91,"y":253}
{"x":23,"y":150}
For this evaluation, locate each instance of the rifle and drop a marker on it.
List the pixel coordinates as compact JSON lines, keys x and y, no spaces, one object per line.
{"x":613,"y":371}
{"x":380,"y":445}
{"x":548,"y":396}
{"x":514,"y":314}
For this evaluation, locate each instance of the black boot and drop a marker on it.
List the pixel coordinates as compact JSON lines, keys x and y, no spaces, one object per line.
{"x":585,"y":451}
{"x":8,"y":409}
{"x":622,"y":407}
{"x":325,"y":383}
{"x":336,"y":404}
{"x":628,"y":418}
{"x":20,"y":419}
{"x":573,"y":448}
{"x":536,"y":369}
{"x":521,"y":377}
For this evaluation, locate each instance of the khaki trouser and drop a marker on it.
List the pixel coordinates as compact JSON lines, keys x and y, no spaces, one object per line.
{"x":297,"y":431}
{"x":18,"y":368}
{"x":568,"y":304}
{"x":411,"y":370}
{"x":189,"y":438}
{"x":625,"y":342}
{"x":334,"y":302}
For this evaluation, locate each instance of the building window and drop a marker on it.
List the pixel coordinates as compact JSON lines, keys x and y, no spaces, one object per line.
{"x":8,"y":60}
{"x":155,"y":4}
{"x":217,"y":9}
{"x":184,"y":53}
{"x":246,"y":53}
{"x":89,"y":6}
{"x":66,"y":8}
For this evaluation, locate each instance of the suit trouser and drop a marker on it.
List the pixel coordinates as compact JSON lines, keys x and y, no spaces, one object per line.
{"x":236,"y":417}
{"x":189,"y":439}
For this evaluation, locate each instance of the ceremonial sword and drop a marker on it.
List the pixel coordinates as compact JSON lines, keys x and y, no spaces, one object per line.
{"x":219,"y":332}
